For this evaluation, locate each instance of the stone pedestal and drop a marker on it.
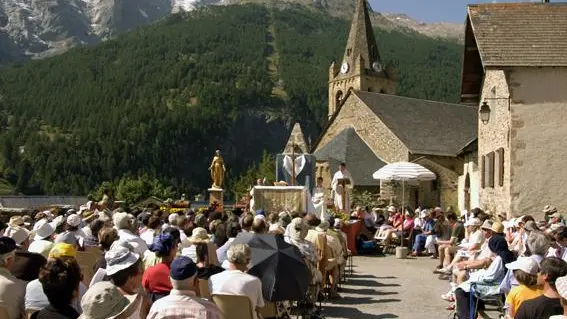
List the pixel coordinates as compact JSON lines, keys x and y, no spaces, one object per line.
{"x":216,"y":195}
{"x":401,"y":252}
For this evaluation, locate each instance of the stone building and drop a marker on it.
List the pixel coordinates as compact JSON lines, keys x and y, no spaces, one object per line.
{"x":515,"y":72}
{"x":370,"y":126}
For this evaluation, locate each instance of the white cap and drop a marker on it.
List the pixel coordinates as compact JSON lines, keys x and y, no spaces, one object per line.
{"x":74,"y":220}
{"x":171,"y":218}
{"x":473,"y":222}
{"x":42,"y":230}
{"x":391,"y":209}
{"x":525,"y":264}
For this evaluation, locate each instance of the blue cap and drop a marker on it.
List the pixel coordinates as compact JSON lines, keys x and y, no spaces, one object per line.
{"x":182,"y":268}
{"x":7,"y":245}
{"x":163,"y":243}
{"x":260,"y":212}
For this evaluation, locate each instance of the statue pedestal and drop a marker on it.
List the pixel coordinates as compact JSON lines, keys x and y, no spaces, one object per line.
{"x":216,"y":195}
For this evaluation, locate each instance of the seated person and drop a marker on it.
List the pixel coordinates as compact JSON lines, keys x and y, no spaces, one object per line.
{"x":447,"y":248}
{"x":486,"y":281}
{"x":469,"y":249}
{"x":525,"y":270}
{"x":12,"y":289}
{"x":204,"y":268}
{"x":548,"y":305}
{"x":103,"y":300}
{"x":236,"y":281}
{"x":183,"y":301}
{"x":60,"y":281}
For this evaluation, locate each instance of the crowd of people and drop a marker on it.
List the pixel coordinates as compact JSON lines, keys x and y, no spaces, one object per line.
{"x":97,"y":263}
{"x":519,"y":263}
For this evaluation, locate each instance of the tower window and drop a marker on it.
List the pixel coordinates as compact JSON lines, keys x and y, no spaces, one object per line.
{"x":348,"y":52}
{"x":338,"y":98}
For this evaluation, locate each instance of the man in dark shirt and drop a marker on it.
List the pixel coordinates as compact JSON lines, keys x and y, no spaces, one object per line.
{"x":549,"y":303}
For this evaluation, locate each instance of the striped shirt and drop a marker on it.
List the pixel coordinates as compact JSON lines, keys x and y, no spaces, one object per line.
{"x":183,"y":304}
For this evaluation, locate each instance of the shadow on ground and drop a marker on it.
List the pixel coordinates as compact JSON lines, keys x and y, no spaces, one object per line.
{"x":369,"y":283}
{"x":339,"y":312}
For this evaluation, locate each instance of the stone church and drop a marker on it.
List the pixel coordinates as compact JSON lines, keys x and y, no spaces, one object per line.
{"x":370,"y":126}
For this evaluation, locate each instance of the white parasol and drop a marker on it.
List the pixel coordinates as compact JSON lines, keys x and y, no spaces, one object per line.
{"x":404,"y":172}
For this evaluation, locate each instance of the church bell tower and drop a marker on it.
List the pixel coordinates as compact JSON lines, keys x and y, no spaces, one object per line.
{"x":361,"y":68}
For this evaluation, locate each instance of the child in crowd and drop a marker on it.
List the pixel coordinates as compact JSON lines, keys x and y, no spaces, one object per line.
{"x":525,"y":270}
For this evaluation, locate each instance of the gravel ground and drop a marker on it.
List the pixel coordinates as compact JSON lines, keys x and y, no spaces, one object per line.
{"x":386,"y":287}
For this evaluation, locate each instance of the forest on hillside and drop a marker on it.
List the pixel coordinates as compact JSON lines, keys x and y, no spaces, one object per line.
{"x":157,"y":101}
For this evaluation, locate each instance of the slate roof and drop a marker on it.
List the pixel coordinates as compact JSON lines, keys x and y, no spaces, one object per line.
{"x":31,"y":202}
{"x":425,"y":127}
{"x":348,"y":147}
{"x":520,"y":34}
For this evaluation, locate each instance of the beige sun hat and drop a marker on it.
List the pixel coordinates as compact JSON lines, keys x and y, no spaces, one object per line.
{"x":103,"y":300}
{"x":199,"y":234}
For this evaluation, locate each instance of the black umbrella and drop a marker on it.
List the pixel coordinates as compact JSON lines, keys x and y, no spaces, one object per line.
{"x":279,"y":265}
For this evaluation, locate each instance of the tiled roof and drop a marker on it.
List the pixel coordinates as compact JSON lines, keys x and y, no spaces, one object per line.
{"x":425,"y":127}
{"x":349,"y":148}
{"x":520,"y":34}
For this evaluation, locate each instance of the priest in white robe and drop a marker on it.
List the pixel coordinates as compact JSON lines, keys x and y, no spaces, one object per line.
{"x":342,"y":173}
{"x":319,"y":199}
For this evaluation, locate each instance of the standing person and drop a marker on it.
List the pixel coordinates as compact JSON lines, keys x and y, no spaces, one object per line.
{"x":338,"y":190}
{"x":548,"y":304}
{"x":319,"y":199}
{"x":12,"y":289}
{"x":183,"y":302}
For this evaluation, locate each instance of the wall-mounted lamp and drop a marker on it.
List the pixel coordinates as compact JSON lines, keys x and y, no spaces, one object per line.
{"x":484,"y":112}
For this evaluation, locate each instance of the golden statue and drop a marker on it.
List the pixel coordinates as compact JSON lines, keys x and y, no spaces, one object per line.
{"x":217,"y":170}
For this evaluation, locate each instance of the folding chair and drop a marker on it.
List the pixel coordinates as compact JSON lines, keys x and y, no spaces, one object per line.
{"x":4,"y":313}
{"x":269,"y":310}
{"x":234,"y":306}
{"x":204,"y":289}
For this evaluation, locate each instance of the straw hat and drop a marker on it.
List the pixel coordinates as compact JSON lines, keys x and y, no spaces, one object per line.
{"x":198,"y":235}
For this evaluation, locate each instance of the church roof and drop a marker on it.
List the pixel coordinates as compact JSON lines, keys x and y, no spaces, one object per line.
{"x":520,"y":34}
{"x":348,"y":147}
{"x":296,"y":142}
{"x":425,"y":127}
{"x":361,"y":41}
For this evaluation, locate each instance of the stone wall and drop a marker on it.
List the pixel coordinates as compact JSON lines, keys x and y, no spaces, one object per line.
{"x":354,"y":113}
{"x":538,"y":139}
{"x":494,"y":135}
{"x":445,"y":193}
{"x":470,"y":167}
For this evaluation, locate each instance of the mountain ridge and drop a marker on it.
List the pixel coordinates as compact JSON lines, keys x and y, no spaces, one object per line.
{"x":39,"y":29}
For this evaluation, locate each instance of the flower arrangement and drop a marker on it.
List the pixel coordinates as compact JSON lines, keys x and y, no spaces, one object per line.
{"x":335,"y":213}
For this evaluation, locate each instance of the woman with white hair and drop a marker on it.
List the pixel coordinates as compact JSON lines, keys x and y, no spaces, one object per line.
{"x":537,"y":246}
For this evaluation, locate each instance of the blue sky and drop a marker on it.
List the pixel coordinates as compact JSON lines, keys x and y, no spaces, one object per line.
{"x":430,"y":10}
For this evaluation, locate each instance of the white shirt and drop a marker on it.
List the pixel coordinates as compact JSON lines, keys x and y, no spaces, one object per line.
{"x":235,"y":282}
{"x":476,"y":237}
{"x":148,"y":236}
{"x":138,"y":243}
{"x":552,"y":252}
{"x":221,"y":251}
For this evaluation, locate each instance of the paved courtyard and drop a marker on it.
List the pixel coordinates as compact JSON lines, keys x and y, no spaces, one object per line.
{"x":386,"y":287}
